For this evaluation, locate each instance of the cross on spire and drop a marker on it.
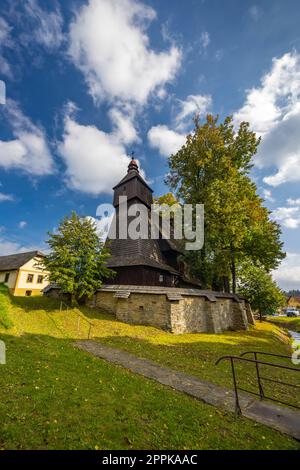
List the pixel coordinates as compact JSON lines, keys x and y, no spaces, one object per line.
{"x":133,"y":164}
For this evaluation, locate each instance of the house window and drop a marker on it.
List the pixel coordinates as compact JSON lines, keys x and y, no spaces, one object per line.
{"x":6,"y":279}
{"x":40,"y":279}
{"x":161,"y":278}
{"x":28,"y":293}
{"x":29,"y":278}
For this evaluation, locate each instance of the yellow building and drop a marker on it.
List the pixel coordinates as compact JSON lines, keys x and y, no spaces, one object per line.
{"x":21,"y":274}
{"x":293,"y":302}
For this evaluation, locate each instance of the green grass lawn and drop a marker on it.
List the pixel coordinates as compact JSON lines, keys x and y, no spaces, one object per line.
{"x":4,"y":308}
{"x":57,"y":397}
{"x":290,"y":323}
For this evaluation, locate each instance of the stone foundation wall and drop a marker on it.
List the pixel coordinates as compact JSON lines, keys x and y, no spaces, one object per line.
{"x":106,"y":301}
{"x":188,"y":315}
{"x":173,"y":309}
{"x":144,"y":309}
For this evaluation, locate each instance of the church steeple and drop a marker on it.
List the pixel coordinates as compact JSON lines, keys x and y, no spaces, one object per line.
{"x":133,"y":186}
{"x":139,"y":261}
{"x":133,"y":166}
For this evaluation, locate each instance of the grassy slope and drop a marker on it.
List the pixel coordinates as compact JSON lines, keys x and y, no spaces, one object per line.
{"x":291,"y":323}
{"x":54,"y":396}
{"x":4,"y":307}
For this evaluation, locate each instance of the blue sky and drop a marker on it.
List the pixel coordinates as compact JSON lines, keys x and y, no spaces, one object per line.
{"x":88,"y":81}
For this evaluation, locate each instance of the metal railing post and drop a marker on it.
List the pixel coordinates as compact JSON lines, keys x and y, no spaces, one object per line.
{"x":238,"y":410}
{"x":261,"y":391}
{"x":260,"y":378}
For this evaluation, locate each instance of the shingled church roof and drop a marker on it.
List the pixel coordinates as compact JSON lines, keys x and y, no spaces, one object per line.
{"x":137,"y":253}
{"x":133,"y":172}
{"x":145,"y":252}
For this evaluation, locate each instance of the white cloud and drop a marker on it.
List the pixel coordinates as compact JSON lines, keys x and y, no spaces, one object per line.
{"x":5,"y":42}
{"x":293,"y":202}
{"x":289,"y":217}
{"x":109,"y":44}
{"x":165,"y":140}
{"x":194,"y":104}
{"x":281,"y":147}
{"x":46,"y":26}
{"x":168,"y":140}
{"x":273,"y":110}
{"x":95,"y":160}
{"x":8,"y":247}
{"x":124,"y":129}
{"x":268,"y":195}
{"x":29,"y":150}
{"x":267,"y":105}
{"x":205,"y":39}
{"x":288,"y":273}
{"x":22,"y":224}
{"x":6,"y":197}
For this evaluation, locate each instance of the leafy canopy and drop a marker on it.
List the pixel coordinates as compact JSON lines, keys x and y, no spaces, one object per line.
{"x":260,"y":289}
{"x":77,"y":260}
{"x":212,"y":168}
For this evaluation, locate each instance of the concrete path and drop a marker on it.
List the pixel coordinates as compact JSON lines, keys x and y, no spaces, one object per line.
{"x":277,"y":417}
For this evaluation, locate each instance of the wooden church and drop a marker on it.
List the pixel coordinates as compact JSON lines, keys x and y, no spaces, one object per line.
{"x":151,"y":286}
{"x":146,"y":262}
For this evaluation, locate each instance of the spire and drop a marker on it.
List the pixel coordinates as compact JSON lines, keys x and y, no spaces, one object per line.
{"x":133,"y":166}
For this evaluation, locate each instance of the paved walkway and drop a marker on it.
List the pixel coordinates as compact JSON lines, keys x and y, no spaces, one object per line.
{"x":280,"y":418}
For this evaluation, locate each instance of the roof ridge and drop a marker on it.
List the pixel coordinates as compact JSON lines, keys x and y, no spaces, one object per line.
{"x":16,"y":260}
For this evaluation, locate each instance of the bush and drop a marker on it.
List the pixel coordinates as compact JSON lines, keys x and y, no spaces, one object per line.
{"x":4,"y":304}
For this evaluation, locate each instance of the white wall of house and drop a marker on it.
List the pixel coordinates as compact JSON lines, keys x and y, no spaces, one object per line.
{"x":19,"y":281}
{"x":31,"y":268}
{"x":23,"y":282}
{"x":11,"y":280}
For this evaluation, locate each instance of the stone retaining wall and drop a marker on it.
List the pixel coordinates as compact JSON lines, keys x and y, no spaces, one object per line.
{"x":175,"y":309}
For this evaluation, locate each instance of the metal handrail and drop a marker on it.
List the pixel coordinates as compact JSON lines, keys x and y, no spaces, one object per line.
{"x":265,"y":354}
{"x":79,"y":316}
{"x":257,"y":362}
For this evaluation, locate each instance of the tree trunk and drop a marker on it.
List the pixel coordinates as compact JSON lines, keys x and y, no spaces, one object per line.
{"x":226,"y":284}
{"x":233,"y":268}
{"x":260,"y":315}
{"x":73,"y":300}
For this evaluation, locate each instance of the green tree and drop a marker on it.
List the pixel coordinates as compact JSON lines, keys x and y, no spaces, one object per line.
{"x":213,"y":168}
{"x":258,"y":287}
{"x":167,"y":198}
{"x":77,"y":260}
{"x":262,"y":244}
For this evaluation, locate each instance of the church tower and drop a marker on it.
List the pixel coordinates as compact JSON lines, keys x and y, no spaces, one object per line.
{"x":146,"y":262}
{"x":134,"y":187}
